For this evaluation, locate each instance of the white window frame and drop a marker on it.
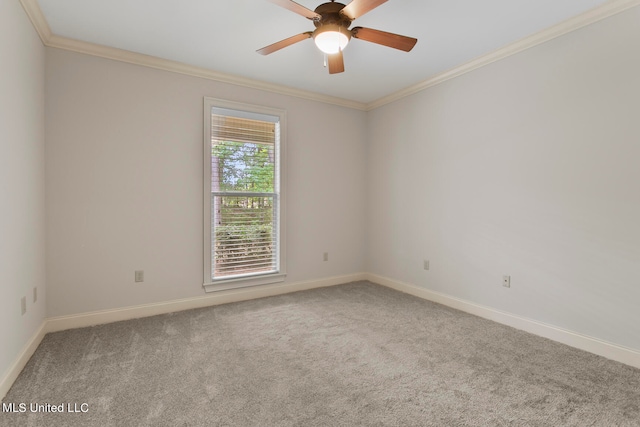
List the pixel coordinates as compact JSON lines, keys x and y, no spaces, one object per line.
{"x":212,"y":285}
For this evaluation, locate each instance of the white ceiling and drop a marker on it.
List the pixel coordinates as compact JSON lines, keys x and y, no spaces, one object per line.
{"x":224,"y":35}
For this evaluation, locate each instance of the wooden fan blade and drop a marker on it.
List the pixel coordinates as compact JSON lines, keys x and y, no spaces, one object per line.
{"x":296,"y":8}
{"x":284,"y":43}
{"x":336,"y":63}
{"x":395,"y":41}
{"x":358,"y":8}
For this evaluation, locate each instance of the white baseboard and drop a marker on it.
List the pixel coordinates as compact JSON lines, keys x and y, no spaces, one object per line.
{"x":24,"y":356}
{"x":611,"y":351}
{"x":82,"y":320}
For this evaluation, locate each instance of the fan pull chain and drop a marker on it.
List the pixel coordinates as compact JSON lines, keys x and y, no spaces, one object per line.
{"x":325,"y":60}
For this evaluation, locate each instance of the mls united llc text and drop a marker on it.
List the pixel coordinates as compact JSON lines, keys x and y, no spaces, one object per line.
{"x":45,"y":407}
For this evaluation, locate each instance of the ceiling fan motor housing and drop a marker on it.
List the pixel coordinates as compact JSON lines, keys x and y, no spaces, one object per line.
{"x":330,"y":15}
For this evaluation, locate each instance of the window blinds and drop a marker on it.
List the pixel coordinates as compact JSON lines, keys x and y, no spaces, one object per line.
{"x":225,"y":128}
{"x":244,"y":202}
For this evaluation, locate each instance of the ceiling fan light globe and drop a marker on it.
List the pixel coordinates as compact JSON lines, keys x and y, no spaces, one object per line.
{"x":331,"y":39}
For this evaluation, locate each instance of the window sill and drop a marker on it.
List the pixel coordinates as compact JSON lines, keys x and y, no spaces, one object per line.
{"x":244,"y":282}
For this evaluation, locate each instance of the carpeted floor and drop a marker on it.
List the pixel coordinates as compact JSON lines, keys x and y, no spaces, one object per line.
{"x":348,"y":355}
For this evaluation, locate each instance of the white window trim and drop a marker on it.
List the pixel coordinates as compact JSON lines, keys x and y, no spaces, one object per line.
{"x":251,"y":280}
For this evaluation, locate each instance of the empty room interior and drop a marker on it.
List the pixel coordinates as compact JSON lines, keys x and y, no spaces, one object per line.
{"x":201,"y":225}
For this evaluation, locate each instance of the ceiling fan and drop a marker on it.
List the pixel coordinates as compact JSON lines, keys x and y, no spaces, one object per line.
{"x":332,"y":33}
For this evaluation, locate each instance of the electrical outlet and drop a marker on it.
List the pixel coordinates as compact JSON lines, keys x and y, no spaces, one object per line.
{"x":426,"y":264}
{"x":139,"y":277}
{"x":325,"y":256}
{"x":23,"y":305}
{"x":35,"y":293}
{"x":506,"y":281}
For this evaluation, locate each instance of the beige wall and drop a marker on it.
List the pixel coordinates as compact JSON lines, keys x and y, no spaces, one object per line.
{"x":21,"y":181}
{"x":526,"y":167}
{"x":124,"y":183}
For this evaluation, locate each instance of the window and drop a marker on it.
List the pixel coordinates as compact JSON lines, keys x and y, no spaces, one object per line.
{"x":243,"y":197}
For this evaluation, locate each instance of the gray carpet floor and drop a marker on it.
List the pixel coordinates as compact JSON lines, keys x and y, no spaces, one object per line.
{"x":348,"y":355}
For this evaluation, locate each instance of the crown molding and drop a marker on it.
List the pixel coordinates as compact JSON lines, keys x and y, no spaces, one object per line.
{"x":32,"y":8}
{"x":591,"y":16}
{"x":190,"y":70}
